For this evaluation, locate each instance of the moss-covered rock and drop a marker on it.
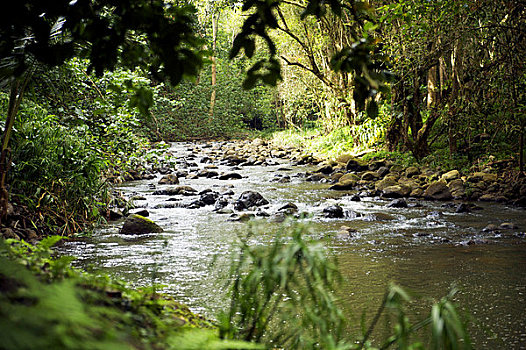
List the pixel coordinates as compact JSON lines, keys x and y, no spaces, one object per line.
{"x":137,"y":224}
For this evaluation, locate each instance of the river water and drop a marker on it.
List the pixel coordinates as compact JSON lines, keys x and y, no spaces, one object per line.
{"x":426,"y":249}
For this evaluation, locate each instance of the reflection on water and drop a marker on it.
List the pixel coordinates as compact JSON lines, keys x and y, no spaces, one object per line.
{"x":426,"y":249}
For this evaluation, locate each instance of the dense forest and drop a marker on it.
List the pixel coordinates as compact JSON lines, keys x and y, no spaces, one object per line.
{"x":94,"y":92}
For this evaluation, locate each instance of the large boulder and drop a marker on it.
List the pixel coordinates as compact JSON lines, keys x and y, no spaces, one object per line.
{"x":456,"y":187}
{"x":386,"y":182}
{"x":346,"y":182}
{"x":183,"y":190}
{"x":438,"y":190}
{"x":136,"y":225}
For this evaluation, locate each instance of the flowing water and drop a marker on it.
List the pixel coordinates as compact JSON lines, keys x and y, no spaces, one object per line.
{"x":426,"y":249}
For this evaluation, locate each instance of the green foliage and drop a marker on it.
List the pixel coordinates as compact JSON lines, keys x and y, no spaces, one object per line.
{"x":281,"y":295}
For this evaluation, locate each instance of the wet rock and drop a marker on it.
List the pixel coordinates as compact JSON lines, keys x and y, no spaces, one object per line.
{"x":397,"y":203}
{"x":220,"y":204}
{"x":180,"y":190}
{"x":438,"y":190}
{"x":462,"y":208}
{"x":164,"y":170}
{"x":209,"y":198}
{"x":333,"y":211}
{"x":369,"y":176}
{"x":136,"y":225}
{"x":396,"y":191}
{"x":355,"y":198}
{"x":230,"y":176}
{"x":167,"y":205}
{"x":169,"y":179}
{"x":289,"y":208}
{"x":386,"y":182}
{"x":343,"y":185}
{"x":206,"y":160}
{"x":456,"y":187}
{"x":412,"y":171}
{"x":378,"y":217}
{"x":356,"y":165}
{"x":344,"y":158}
{"x":142,"y":212}
{"x":490,"y":228}
{"x":262,"y":213}
{"x":225,"y":211}
{"x":315,"y":177}
{"x":508,"y":226}
{"x":249,"y":199}
{"x":451,"y":175}
{"x":492,"y":197}
{"x":382,"y":171}
{"x":324,"y":169}
{"x":115,"y":214}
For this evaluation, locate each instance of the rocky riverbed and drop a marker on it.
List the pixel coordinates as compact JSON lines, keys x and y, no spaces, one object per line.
{"x":385,"y":223}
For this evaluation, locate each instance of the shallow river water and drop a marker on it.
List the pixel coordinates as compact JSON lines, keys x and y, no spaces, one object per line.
{"x":426,"y":249}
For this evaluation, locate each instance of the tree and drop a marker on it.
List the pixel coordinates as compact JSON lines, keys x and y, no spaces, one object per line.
{"x":153,"y":35}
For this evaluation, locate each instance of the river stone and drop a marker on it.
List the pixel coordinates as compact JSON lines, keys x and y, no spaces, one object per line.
{"x":462,"y":208}
{"x":250,"y":199}
{"x":508,"y":226}
{"x":382,"y":171}
{"x":356,"y":165}
{"x":136,"y":225}
{"x":289,"y":208}
{"x":180,"y":190}
{"x":369,"y":176}
{"x":385,"y":182}
{"x":142,"y":212}
{"x":324,"y":169}
{"x":315,"y":177}
{"x":115,"y":214}
{"x":230,"y":176}
{"x":490,"y":228}
{"x":438,"y":190}
{"x":344,"y":185}
{"x":480,"y":176}
{"x":451,"y":175}
{"x":397,"y":203}
{"x":412,"y":171}
{"x":396,"y":191}
{"x":492,"y":197}
{"x":169,"y":179}
{"x":456,"y":187}
{"x":333,"y":211}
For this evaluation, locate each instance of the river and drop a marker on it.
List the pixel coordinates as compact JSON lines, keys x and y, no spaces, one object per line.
{"x":427,"y":249}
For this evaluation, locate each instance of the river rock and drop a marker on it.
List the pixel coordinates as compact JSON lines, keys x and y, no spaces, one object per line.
{"x":136,"y":225}
{"x":490,"y":228}
{"x":250,"y":199}
{"x":462,"y":208}
{"x":369,"y":176}
{"x":412,"y":171}
{"x":209,"y":198}
{"x":382,"y":171}
{"x":456,"y":187}
{"x":289,"y":208}
{"x":324,"y":169}
{"x":169,"y":179}
{"x":180,"y":190}
{"x":385,"y":182}
{"x":397,"y":203}
{"x":115,"y":214}
{"x":344,"y":185}
{"x":508,"y":226}
{"x":230,"y":176}
{"x":438,"y":190}
{"x":356,"y":165}
{"x":142,"y":212}
{"x":451,"y":175}
{"x":396,"y":191}
{"x":333,"y":211}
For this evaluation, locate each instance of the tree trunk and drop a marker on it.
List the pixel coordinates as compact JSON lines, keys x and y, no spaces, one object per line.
{"x":15,"y":98}
{"x":215,"y":22}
